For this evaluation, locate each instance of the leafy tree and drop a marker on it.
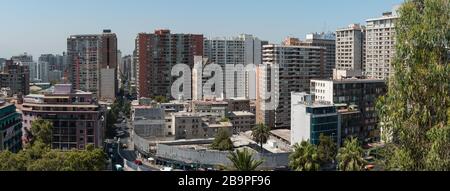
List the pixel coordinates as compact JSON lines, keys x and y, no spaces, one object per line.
{"x":222,"y":141}
{"x":415,"y":111}
{"x":243,"y":161}
{"x":111,"y":119}
{"x":11,"y":162}
{"x":261,"y":134}
{"x":161,"y":99}
{"x":41,"y":130}
{"x":305,"y":157}
{"x":327,"y":149}
{"x":351,"y":156}
{"x":225,"y":120}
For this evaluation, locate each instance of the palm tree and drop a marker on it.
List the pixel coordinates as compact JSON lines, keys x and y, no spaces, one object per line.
{"x":305,"y":157}
{"x":243,"y":160}
{"x":261,"y":134}
{"x":351,"y":156}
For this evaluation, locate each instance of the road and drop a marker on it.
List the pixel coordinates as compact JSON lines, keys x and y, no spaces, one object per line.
{"x":129,"y":153}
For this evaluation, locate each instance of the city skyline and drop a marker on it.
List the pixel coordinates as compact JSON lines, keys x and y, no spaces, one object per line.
{"x":47,"y":20}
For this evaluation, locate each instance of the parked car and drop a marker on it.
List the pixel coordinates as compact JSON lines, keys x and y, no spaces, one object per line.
{"x":119,"y":167}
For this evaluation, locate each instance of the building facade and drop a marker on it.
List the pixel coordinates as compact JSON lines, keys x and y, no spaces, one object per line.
{"x":197,"y":126}
{"x":242,"y":121}
{"x":349,"y":48}
{"x":297,"y":65}
{"x":16,"y":77}
{"x":157,"y":53}
{"x":77,"y":119}
{"x":380,"y":45}
{"x":10,"y":128}
{"x":242,"y":50}
{"x":356,"y":99}
{"x":311,"y":118}
{"x":328,"y":41}
{"x":92,"y":59}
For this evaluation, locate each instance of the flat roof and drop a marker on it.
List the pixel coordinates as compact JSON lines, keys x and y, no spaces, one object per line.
{"x":282,"y":133}
{"x":351,"y":80}
{"x":242,"y":113}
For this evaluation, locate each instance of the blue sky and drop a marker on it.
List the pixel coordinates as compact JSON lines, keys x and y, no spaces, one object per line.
{"x":42,"y":26}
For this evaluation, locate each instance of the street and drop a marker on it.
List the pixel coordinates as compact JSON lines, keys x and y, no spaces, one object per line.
{"x":123,"y":147}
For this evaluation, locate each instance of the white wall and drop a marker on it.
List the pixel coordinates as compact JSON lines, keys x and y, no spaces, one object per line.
{"x":300,"y":121}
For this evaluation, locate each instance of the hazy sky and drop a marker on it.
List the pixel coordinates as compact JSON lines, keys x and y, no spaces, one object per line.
{"x":42,"y":26}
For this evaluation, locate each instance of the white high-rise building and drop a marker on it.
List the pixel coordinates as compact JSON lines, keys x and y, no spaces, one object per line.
{"x":349,"y":48}
{"x":380,"y":45}
{"x":43,"y":69}
{"x":242,"y":50}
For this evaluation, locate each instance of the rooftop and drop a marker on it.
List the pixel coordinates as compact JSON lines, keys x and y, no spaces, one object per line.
{"x":282,"y":133}
{"x":242,"y":113}
{"x":349,"y":80}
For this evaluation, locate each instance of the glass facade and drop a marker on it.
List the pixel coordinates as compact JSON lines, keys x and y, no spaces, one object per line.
{"x":324,"y":120}
{"x":10,"y":129}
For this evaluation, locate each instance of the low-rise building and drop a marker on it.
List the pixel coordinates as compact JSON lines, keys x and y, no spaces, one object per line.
{"x":242,"y":121}
{"x":196,"y":125}
{"x":311,"y":118}
{"x":351,"y":95}
{"x":10,"y":127}
{"x":77,"y":118}
{"x":210,"y":107}
{"x":238,"y":104}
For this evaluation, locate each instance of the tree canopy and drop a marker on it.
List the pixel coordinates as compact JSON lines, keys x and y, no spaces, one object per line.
{"x":415,"y":113}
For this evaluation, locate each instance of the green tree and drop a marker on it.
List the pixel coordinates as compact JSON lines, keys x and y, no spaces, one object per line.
{"x":111,"y":119}
{"x":305,"y":157}
{"x":261,"y":134}
{"x":418,"y":98}
{"x":351,"y":156}
{"x":327,"y":149}
{"x":225,"y":120}
{"x":222,"y":141}
{"x":243,"y":160}
{"x":41,"y":130}
{"x":161,"y":99}
{"x":12,"y":162}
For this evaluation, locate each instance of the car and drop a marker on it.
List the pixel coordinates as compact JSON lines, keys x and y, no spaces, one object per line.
{"x":125,"y":146}
{"x":167,"y":169}
{"x":119,"y":167}
{"x":138,"y":162}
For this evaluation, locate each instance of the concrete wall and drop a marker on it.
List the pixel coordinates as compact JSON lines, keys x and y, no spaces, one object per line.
{"x":209,"y":157}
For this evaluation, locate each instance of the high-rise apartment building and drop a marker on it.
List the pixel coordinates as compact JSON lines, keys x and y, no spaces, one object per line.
{"x":16,"y":77}
{"x":241,"y":50}
{"x":157,"y":53}
{"x":77,"y":119}
{"x":325,"y":40}
{"x":349,"y":48}
{"x":55,"y":62}
{"x":297,"y":65}
{"x":27,"y":60}
{"x":380,"y":45}
{"x":93,"y":63}
{"x":328,"y":41}
{"x":125,"y":69}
